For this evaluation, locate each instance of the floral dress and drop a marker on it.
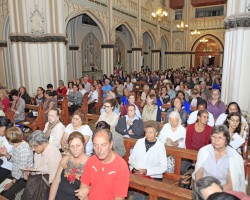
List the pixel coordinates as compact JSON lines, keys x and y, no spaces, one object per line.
{"x":70,"y":181}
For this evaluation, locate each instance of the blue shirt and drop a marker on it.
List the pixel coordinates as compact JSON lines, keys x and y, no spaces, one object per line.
{"x":106,"y":88}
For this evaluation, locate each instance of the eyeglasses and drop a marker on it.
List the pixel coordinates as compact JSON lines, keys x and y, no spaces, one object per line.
{"x":217,"y":138}
{"x":106,"y":106}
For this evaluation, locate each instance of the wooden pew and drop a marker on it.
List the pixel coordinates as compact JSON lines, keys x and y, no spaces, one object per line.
{"x":178,"y":153}
{"x":64,"y":114}
{"x":157,"y":189}
{"x":35,"y":123}
{"x":169,"y":187}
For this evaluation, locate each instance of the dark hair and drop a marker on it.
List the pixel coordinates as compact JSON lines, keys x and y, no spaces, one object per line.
{"x":107,"y":131}
{"x":14,"y":135}
{"x":132,"y":105}
{"x":201,"y":184}
{"x":221,"y":129}
{"x":4,"y":121}
{"x":102,"y":125}
{"x":112,"y":102}
{"x":82,"y":84}
{"x":48,"y":92}
{"x":80,"y":114}
{"x":49,"y":86}
{"x":229,"y":116}
{"x":222,"y":196}
{"x":13,"y":92}
{"x":74,"y":135}
{"x":173,"y":100}
{"x":233,"y":103}
{"x":200,"y":112}
{"x":202,"y":102}
{"x":180,"y":91}
{"x":70,"y":83}
{"x":41,"y":88}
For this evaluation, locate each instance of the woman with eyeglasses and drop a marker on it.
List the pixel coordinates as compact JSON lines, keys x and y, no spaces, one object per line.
{"x":236,"y":129}
{"x":215,"y":105}
{"x":109,"y":115}
{"x":220,"y":160}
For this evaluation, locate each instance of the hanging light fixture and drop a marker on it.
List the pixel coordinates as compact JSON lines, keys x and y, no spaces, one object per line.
{"x":204,"y":39}
{"x":160,"y":14}
{"x":182,"y":26}
{"x":195,"y":32}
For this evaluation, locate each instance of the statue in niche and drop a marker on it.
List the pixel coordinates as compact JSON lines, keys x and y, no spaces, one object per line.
{"x":90,"y":52}
{"x":118,"y":54}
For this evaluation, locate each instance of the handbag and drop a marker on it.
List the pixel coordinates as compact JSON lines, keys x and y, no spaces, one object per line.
{"x":185,"y":181}
{"x":37,"y":187}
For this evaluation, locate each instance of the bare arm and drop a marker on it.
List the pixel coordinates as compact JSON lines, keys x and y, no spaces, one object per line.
{"x":228,"y":185}
{"x":57,"y":180}
{"x":199,"y":174}
{"x":63,"y":141}
{"x":119,"y":198}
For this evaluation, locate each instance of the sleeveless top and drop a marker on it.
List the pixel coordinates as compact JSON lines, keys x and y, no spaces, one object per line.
{"x":70,"y":181}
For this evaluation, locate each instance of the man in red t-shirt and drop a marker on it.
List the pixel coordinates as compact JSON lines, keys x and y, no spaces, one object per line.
{"x":106,"y":174}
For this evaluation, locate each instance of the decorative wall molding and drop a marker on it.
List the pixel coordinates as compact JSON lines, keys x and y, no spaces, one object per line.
{"x":38,"y":38}
{"x":3,"y":43}
{"x":155,"y":50}
{"x":107,"y":46}
{"x":235,"y":22}
{"x":136,"y":49}
{"x":73,"y":47}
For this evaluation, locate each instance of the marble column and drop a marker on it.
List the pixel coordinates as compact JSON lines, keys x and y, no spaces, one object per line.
{"x":156,"y":59}
{"x":136,"y":59}
{"x":107,"y":58}
{"x":236,"y":61}
{"x":38,"y":41}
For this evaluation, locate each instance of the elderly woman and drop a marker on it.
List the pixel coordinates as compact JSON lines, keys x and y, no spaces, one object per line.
{"x":46,"y":161}
{"x":198,"y":134}
{"x":18,"y":106}
{"x":130,"y":125}
{"x":49,"y":103}
{"x":69,"y":172}
{"x":78,"y":125}
{"x":61,"y":88}
{"x":21,"y":158}
{"x":220,"y":160}
{"x":54,"y":129}
{"x":173,"y":134}
{"x":236,"y":130}
{"x":232,"y":107}
{"x":150,"y":110}
{"x":149,"y":155}
{"x":176,"y":105}
{"x":215,"y":105}
{"x":109,"y":115}
{"x":6,"y":166}
{"x":4,"y":100}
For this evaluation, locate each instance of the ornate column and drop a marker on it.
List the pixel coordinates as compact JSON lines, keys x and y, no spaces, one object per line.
{"x":156,"y":59}
{"x":236,"y":56}
{"x":137,"y":59}
{"x":38,"y":40}
{"x":107,"y":58}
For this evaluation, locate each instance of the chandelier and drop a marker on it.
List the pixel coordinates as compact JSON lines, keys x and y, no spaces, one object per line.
{"x":182,"y":26}
{"x":195,"y":32}
{"x":160,"y":14}
{"x":204,"y":40}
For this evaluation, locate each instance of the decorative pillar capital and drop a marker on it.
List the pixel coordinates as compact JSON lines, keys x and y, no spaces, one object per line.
{"x":237,"y":21}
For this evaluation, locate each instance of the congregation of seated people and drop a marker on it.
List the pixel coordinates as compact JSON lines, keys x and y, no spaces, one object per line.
{"x":178,"y":108}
